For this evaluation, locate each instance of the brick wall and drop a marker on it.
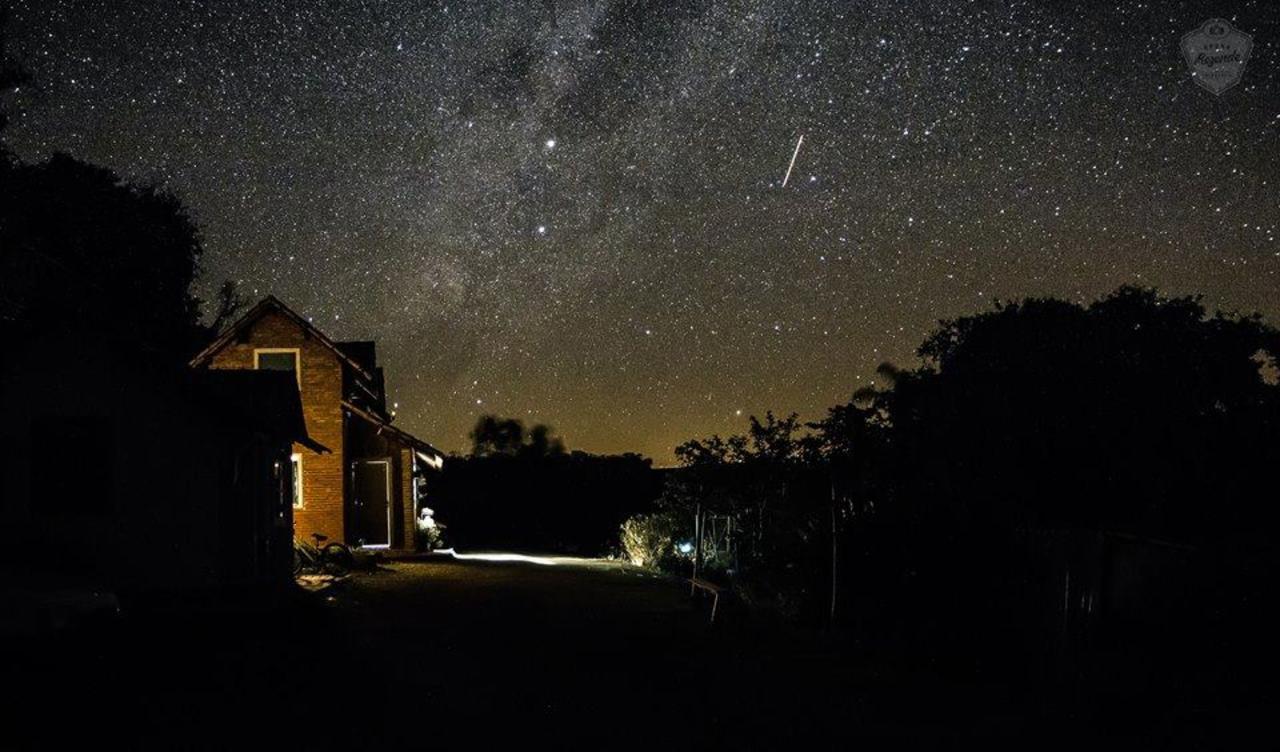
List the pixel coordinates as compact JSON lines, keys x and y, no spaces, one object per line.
{"x":406,"y":497}
{"x":323,"y":477}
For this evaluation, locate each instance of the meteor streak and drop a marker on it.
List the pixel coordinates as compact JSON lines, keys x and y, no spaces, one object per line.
{"x":794,"y":154}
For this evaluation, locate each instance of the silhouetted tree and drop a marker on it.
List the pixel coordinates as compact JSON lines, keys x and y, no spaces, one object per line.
{"x":712,"y":451}
{"x":978,"y":498}
{"x":850,"y":442}
{"x":541,"y":442}
{"x":519,"y":488}
{"x":771,"y":488}
{"x":1032,"y":432}
{"x":227,"y":306}
{"x":84,"y":249}
{"x":533,"y":495}
{"x":1137,"y":412}
{"x":493,"y":436}
{"x":81,"y":248}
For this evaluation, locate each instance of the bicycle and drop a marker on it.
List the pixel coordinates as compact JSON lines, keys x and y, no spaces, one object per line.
{"x":333,"y":558}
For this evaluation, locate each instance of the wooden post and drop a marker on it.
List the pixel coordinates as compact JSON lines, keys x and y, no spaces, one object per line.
{"x":835,"y":549}
{"x":697,"y":538}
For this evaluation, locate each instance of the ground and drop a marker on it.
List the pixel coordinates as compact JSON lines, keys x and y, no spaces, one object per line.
{"x":447,"y":653}
{"x":561,"y":651}
{"x":604,"y":651}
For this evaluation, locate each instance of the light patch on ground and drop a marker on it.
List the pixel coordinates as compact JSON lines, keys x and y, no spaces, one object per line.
{"x":544,"y":561}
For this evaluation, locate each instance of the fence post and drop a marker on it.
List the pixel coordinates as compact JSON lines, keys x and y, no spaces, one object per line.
{"x":835,"y":543}
{"x":697,"y":538}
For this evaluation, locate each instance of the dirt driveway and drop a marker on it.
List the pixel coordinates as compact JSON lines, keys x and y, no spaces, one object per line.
{"x":565,"y":649}
{"x":456,"y":654}
{"x":605,"y":654}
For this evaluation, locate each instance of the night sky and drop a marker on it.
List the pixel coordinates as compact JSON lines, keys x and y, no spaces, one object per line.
{"x":573,"y":212}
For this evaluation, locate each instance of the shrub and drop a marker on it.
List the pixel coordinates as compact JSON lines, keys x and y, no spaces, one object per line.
{"x":428,"y":533}
{"x":649,"y":540}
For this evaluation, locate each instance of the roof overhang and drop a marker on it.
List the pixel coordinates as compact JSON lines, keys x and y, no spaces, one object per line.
{"x":419,"y":446}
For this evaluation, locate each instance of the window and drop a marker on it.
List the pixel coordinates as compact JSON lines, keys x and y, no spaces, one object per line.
{"x":297,"y":480}
{"x":277,"y":360}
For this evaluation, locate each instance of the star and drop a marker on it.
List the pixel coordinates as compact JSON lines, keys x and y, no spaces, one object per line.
{"x":390,"y":169}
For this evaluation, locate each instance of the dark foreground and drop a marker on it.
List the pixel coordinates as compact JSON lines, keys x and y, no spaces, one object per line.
{"x":446,"y":653}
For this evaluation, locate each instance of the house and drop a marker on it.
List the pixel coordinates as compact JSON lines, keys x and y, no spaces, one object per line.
{"x":366,"y":491}
{"x":125,"y":472}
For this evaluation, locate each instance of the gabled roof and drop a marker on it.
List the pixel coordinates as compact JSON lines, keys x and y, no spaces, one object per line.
{"x":273,"y":304}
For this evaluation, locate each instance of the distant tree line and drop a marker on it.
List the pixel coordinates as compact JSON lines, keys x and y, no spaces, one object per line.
{"x":507,"y":437}
{"x":519,"y":488}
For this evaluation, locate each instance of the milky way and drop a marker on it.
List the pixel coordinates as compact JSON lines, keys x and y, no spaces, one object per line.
{"x":573,"y":212}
